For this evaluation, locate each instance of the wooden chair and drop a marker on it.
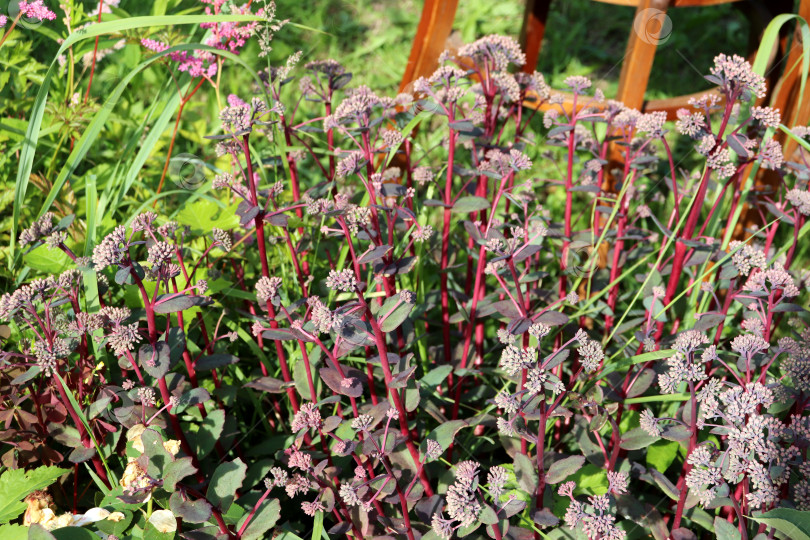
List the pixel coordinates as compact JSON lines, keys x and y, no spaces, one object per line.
{"x":436,"y":25}
{"x":437,"y":18}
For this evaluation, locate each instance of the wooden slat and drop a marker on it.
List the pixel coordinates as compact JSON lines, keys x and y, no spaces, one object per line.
{"x":640,"y":53}
{"x":673,"y":3}
{"x":533,"y":30}
{"x":430,"y":41}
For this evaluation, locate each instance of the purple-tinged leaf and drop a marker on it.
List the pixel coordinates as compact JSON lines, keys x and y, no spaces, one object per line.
{"x":172,"y":303}
{"x":215,"y":361}
{"x":374,"y":254}
{"x":563,"y":468}
{"x":466,"y":205}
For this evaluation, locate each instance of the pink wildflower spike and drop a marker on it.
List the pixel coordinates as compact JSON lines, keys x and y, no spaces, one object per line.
{"x":36,"y":10}
{"x":154,"y":45}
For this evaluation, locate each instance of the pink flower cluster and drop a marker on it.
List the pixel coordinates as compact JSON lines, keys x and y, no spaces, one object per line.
{"x":192,"y":62}
{"x":229,"y":36}
{"x":36,"y":10}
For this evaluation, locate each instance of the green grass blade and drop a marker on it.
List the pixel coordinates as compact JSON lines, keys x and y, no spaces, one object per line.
{"x":38,"y":110}
{"x":91,"y":196}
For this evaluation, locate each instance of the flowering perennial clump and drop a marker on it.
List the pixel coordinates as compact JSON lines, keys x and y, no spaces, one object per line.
{"x":477,"y":309}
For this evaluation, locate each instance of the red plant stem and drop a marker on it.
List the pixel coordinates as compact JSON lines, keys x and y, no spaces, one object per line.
{"x":379,"y":339}
{"x":691,"y":223}
{"x":403,"y":503}
{"x":174,"y":136}
{"x":252,"y":513}
{"x":330,"y":144}
{"x":445,"y":296}
{"x":676,"y":523}
{"x":95,"y":52}
{"x":479,"y":272}
{"x":76,"y":488}
{"x":798,"y":223}
{"x":10,"y":28}
{"x":162,"y":386}
{"x":540,"y":449}
{"x":262,"y":245}
{"x":569,"y":183}
{"x":296,"y":189}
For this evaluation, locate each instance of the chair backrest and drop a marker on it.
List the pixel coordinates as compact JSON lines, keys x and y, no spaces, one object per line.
{"x":650,"y":26}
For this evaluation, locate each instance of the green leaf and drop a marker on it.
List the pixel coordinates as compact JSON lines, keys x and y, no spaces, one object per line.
{"x":176,"y":471}
{"x":436,"y":376}
{"x":191,"y":398}
{"x":16,"y":484}
{"x":13,"y":532}
{"x":38,"y":532}
{"x":159,"y":458}
{"x":723,"y":530}
{"x":203,"y":215}
{"x":171,"y":303}
{"x":73,"y":533}
{"x":470,"y":204}
{"x":225,"y":482}
{"x":116,"y":528}
{"x":395,"y":312}
{"x":488,"y":515}
{"x":214,"y":361}
{"x":794,"y":524}
{"x":44,"y":259}
{"x":262,"y":521}
{"x":155,"y":360}
{"x":636,"y":439}
{"x":563,"y":468}
{"x":661,"y":454}
{"x":198,"y":511}
{"x":208,"y":433}
{"x":525,"y":473}
{"x":591,"y":479}
{"x":445,"y":433}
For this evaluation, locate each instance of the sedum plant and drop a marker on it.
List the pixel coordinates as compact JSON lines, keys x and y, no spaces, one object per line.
{"x":435,"y":315}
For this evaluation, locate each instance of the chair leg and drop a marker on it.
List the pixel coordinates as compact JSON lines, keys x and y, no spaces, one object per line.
{"x":535,"y":17}
{"x":430,"y":40}
{"x":640,"y":53}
